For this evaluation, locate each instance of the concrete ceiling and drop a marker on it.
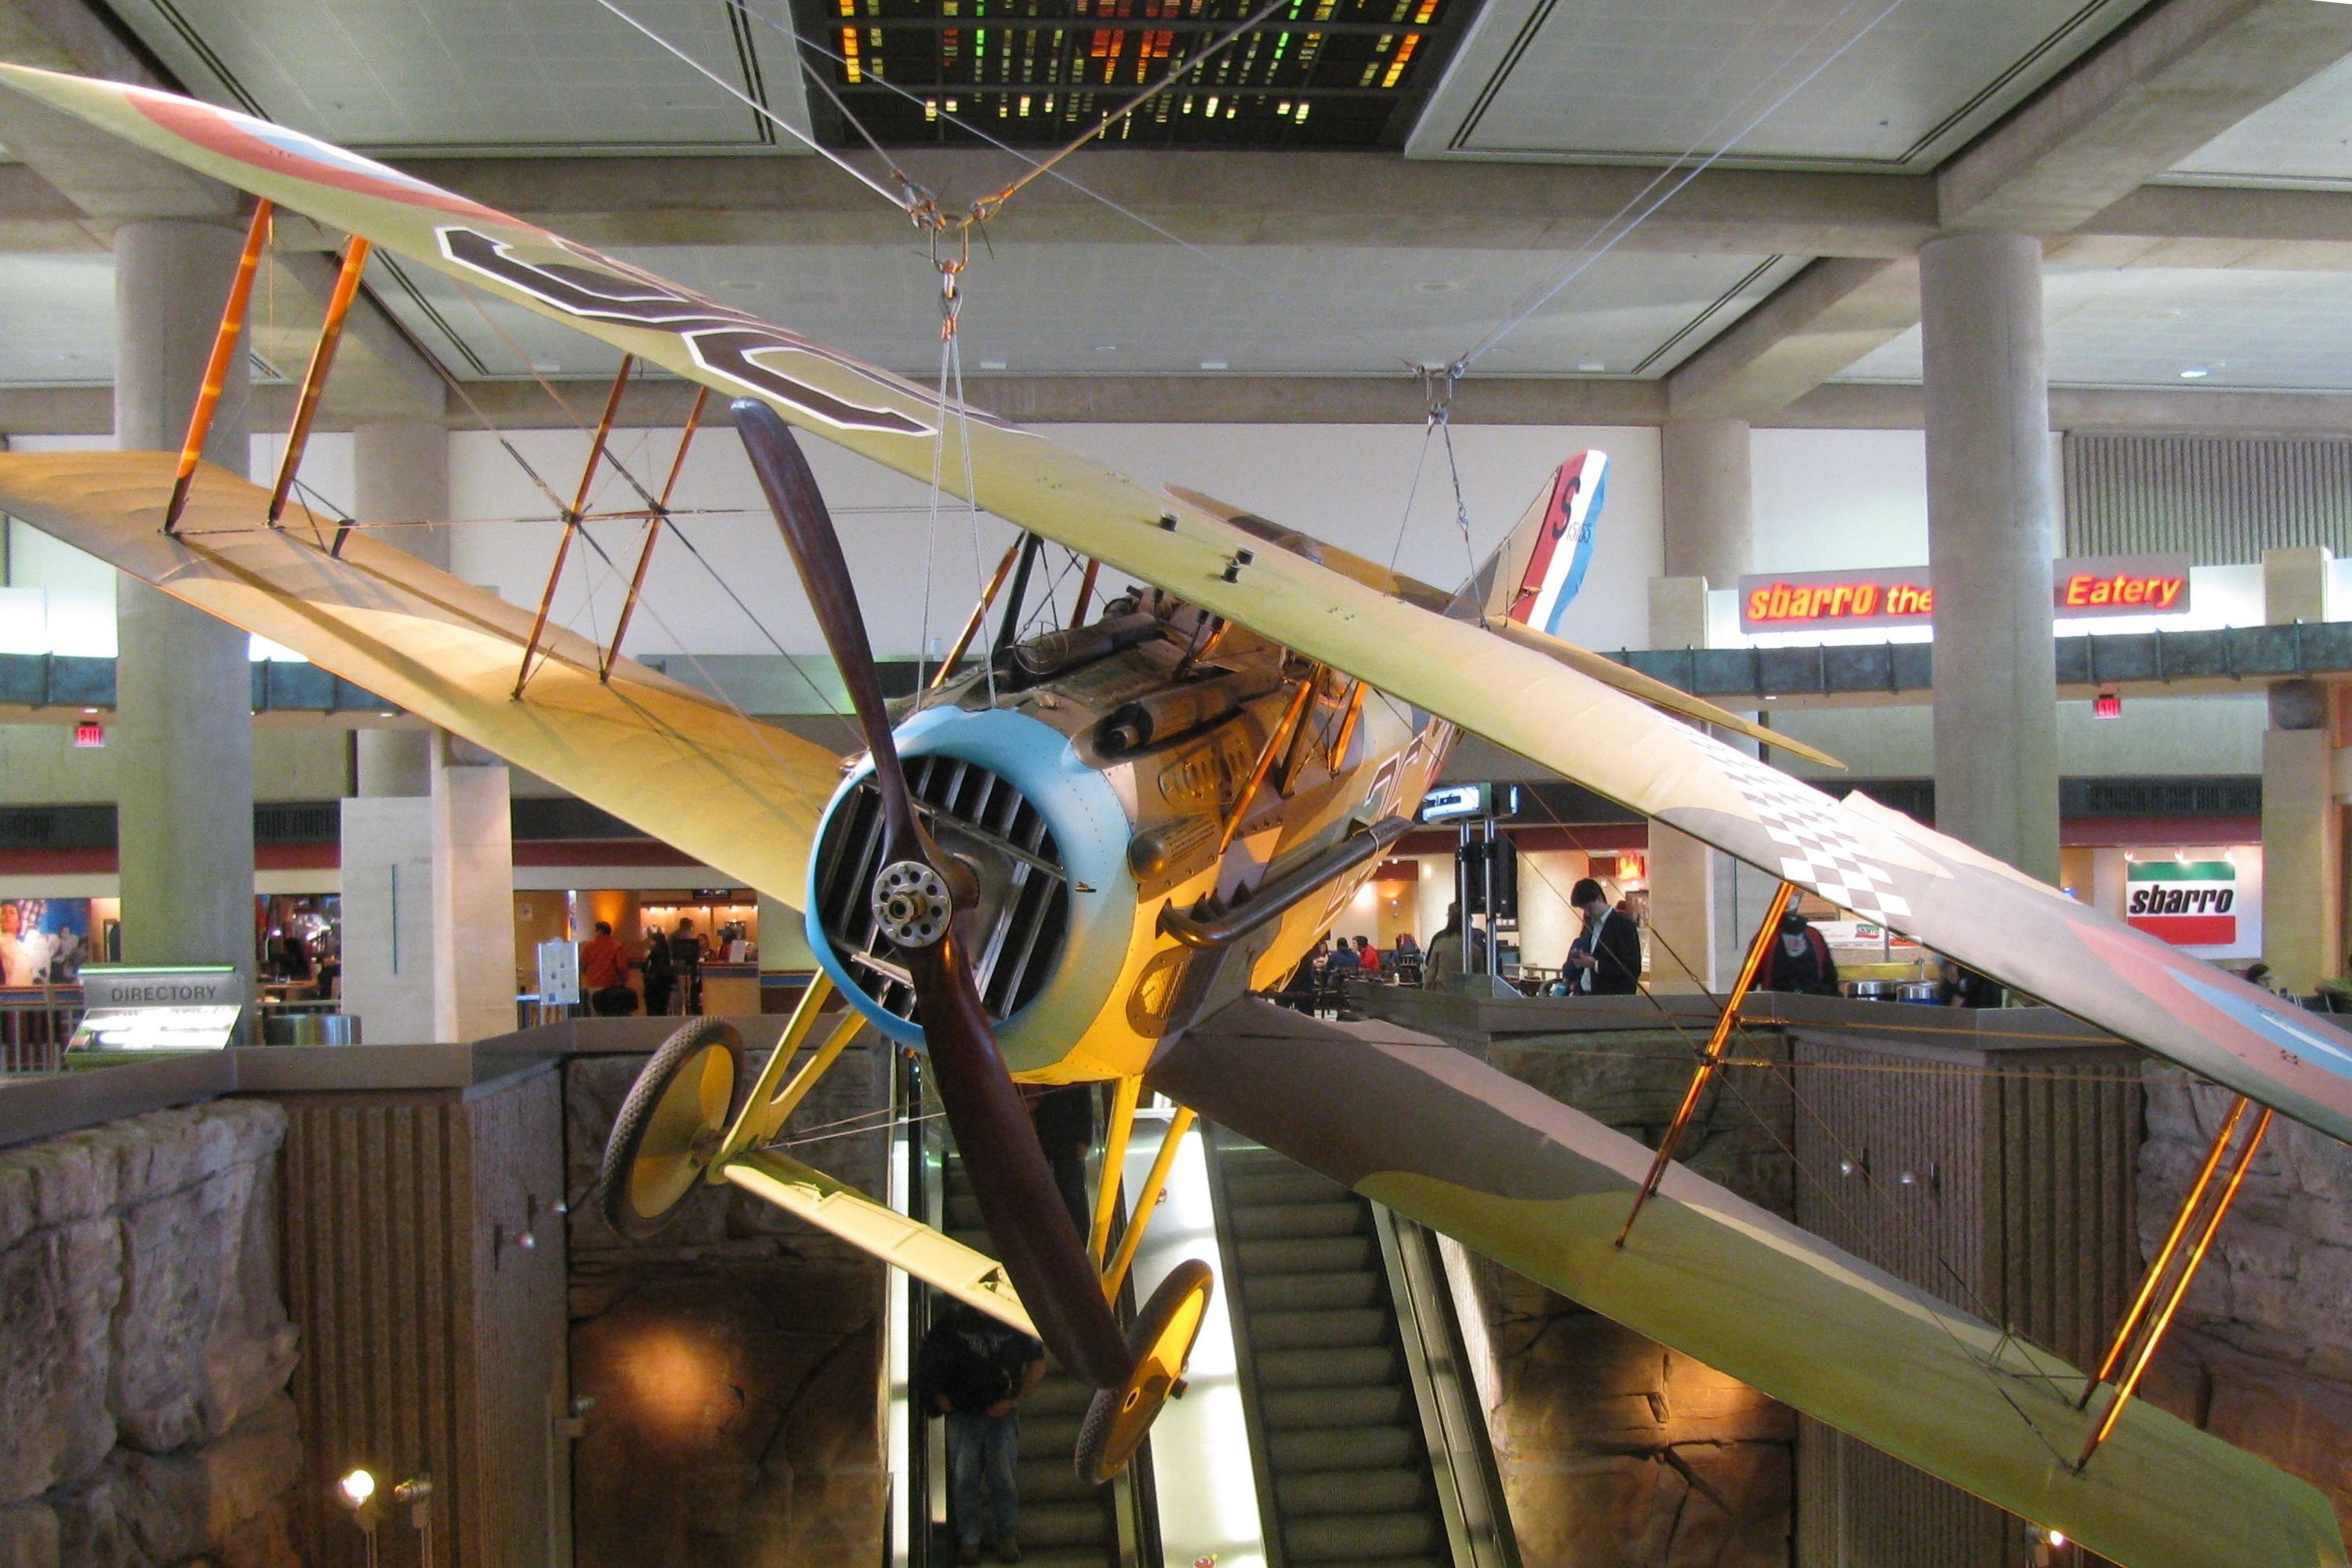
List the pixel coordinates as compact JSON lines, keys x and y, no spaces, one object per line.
{"x":2175,"y":327}
{"x":2146,"y":141}
{"x":500,"y":76}
{"x":1792,"y":84}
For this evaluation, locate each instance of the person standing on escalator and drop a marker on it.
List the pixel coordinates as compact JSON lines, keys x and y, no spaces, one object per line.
{"x":974,"y":1371}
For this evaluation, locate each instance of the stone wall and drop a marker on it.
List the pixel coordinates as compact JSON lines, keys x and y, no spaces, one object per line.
{"x":734,"y":1363}
{"x":144,"y":1348}
{"x":2261,"y":1353}
{"x":1616,"y":1452}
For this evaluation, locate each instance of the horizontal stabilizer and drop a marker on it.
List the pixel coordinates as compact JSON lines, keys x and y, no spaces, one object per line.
{"x":939,"y":1261}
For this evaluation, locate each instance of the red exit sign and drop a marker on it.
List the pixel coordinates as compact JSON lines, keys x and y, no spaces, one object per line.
{"x":2081,"y":588}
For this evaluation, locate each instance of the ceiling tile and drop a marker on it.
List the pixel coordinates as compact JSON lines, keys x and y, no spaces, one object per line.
{"x":1865,"y":86}
{"x":2303,"y":138}
{"x":2248,"y":331}
{"x":448,"y":76}
{"x":56,"y":321}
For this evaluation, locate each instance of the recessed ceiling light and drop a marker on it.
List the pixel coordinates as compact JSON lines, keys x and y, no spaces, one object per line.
{"x":991,"y":364}
{"x":1113,"y":348}
{"x":1590,"y":365}
{"x":545,"y":365}
{"x":2197,"y":371}
{"x":1213,"y":364}
{"x":1447,"y":286}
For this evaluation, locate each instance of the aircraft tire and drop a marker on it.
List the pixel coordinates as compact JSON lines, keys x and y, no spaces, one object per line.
{"x":681,"y":1104}
{"x":1118,"y":1419}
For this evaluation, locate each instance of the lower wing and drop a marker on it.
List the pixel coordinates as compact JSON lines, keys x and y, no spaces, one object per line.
{"x":1441,"y":1137}
{"x":733,"y":792}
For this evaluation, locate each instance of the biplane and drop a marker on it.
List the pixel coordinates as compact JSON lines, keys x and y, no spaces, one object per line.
{"x":1079,"y":860}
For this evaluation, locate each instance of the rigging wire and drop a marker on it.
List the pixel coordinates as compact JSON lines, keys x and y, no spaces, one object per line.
{"x":1593,"y":249}
{"x":895,"y":198}
{"x":1830,"y":1195}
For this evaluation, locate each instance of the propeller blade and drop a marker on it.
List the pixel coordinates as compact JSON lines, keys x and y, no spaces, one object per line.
{"x":793,"y":495}
{"x":924,"y":900}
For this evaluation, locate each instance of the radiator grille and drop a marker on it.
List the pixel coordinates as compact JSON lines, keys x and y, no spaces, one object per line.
{"x":2224,"y":499}
{"x":1024,"y":913}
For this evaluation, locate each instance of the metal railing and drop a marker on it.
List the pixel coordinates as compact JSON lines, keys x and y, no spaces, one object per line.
{"x":36,"y":1023}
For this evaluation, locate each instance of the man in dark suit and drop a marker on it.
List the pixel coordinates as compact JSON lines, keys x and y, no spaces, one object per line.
{"x":1606,"y":961}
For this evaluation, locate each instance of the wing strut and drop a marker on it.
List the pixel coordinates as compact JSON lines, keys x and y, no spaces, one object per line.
{"x":653,"y":532}
{"x":572,"y":516}
{"x":314,"y":376}
{"x":232,"y":327}
{"x":2139,"y":1334}
{"x":1714,"y":1056}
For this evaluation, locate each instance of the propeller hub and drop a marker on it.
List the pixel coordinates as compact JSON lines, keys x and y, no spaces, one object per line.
{"x":911,"y":903}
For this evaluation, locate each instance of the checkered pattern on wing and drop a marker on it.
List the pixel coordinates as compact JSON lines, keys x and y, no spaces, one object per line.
{"x":1819,"y":849}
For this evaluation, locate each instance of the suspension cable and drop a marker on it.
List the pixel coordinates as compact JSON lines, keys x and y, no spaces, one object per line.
{"x":1586,"y":255}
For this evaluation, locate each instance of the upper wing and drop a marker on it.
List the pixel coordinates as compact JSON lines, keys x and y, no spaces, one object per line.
{"x":733,"y":792}
{"x":1541,"y":1188}
{"x":1927,"y":886}
{"x":1411,"y":590}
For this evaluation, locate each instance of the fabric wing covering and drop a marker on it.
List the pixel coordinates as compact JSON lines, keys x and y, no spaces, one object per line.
{"x":1880,"y":864}
{"x":1446,"y":1140}
{"x":735,"y":794}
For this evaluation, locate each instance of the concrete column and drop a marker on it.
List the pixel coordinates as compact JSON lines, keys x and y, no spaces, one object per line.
{"x":473,"y":894}
{"x":1710,"y":524}
{"x":1698,"y":894}
{"x":1991,"y":533}
{"x":183,"y":710}
{"x":2303,"y":884}
{"x":428,"y":905}
{"x":400,"y":474}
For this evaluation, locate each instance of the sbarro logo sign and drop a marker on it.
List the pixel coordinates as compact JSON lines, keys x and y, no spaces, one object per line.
{"x":2188,"y":904}
{"x":2081,"y":588}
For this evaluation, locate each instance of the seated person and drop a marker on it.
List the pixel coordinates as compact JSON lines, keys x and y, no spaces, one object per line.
{"x":1799,"y":961}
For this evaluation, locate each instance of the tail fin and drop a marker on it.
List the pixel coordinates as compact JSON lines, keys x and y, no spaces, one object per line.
{"x":1540,"y":563}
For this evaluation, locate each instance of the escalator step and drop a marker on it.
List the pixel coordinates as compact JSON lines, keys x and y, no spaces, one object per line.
{"x":1393,"y":1490}
{"x":1312,"y":1448}
{"x":1318,"y":1256}
{"x":1049,"y":1434}
{"x":1082,"y":1522}
{"x":1299,"y":1222}
{"x":1051,"y":1477}
{"x":1349,"y":1366}
{"x":1328,"y":1330}
{"x":1291,"y":1186}
{"x":1316,"y":1409}
{"x":1083,"y":1557}
{"x":1319,"y":1292}
{"x":1057,"y":1395}
{"x":1354,"y":1538}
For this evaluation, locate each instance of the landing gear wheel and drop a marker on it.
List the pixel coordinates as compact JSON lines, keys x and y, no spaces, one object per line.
{"x":669,"y":1126}
{"x":1162,"y":1341}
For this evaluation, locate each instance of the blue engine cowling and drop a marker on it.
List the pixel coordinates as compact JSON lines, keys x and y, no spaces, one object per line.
{"x":1046,"y":838}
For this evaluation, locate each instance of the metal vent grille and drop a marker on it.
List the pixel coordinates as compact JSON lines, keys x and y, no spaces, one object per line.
{"x":1024,"y":915}
{"x":2222,"y":498}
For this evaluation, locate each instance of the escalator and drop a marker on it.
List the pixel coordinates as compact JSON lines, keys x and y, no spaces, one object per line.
{"x":1370,"y":1443}
{"x":1063,"y":1523}
{"x":1331,"y":1383}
